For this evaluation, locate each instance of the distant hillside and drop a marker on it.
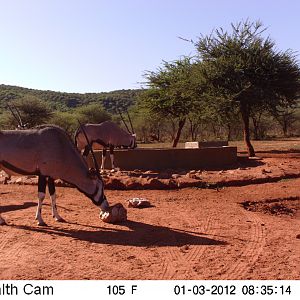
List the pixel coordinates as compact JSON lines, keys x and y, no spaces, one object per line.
{"x":63,"y":101}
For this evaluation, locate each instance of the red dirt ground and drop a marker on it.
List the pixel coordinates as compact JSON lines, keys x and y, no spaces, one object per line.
{"x":250,"y":231}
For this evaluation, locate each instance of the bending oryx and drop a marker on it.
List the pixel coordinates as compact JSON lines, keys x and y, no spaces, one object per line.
{"x":103,"y":136}
{"x":47,"y":151}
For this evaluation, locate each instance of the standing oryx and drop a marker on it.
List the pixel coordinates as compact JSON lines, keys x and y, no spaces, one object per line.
{"x":106,"y":135}
{"x":47,"y":151}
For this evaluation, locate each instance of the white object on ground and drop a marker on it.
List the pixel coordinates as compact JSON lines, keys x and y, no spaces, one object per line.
{"x":138,"y":202}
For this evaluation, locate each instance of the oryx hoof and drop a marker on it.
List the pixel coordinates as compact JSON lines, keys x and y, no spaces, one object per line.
{"x":60,"y":219}
{"x":42,"y":223}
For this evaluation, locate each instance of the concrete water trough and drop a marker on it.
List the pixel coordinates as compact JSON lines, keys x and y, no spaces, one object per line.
{"x":171,"y":158}
{"x":204,"y":144}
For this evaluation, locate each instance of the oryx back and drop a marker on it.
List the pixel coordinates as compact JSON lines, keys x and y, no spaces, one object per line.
{"x":103,"y":135}
{"x":47,"y":151}
{"x":19,"y":151}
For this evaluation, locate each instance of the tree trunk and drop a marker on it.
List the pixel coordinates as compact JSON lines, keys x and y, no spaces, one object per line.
{"x":285,"y":127}
{"x":193,"y":128}
{"x":258,"y":130}
{"x":178,"y":133}
{"x":245,"y":112}
{"x":255,"y":128}
{"x":228,"y":132}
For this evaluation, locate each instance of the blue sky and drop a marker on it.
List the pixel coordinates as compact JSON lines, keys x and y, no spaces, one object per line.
{"x":104,"y":45}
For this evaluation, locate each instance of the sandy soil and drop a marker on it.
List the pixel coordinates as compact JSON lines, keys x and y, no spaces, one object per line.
{"x":247,"y":231}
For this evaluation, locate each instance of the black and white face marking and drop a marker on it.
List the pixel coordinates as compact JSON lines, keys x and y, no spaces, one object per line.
{"x":99,"y":198}
{"x":133,"y":141}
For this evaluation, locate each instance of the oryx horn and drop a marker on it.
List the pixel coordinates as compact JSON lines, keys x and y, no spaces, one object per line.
{"x":90,"y":146}
{"x":130,"y":121}
{"x":18,"y":118}
{"x":123,"y":119}
{"x":19,"y":115}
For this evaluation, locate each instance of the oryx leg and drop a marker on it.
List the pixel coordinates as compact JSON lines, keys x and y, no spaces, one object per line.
{"x":112,"y":158}
{"x":86,"y":151}
{"x":103,"y":159}
{"x":51,"y":188}
{"x":42,"y":182}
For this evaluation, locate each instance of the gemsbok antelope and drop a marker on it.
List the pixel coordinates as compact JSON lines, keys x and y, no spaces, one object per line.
{"x":106,"y":135}
{"x":47,"y":151}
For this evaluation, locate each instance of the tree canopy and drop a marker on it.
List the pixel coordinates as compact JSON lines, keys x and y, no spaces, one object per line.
{"x":172,"y":91}
{"x":33,"y":111}
{"x":244,"y":69}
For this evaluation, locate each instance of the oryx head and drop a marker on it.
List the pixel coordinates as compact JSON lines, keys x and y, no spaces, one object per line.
{"x":132,"y":143}
{"x":98,"y":197}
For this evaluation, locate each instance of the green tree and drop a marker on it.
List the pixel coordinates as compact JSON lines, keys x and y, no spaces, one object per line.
{"x":148,"y":126}
{"x":244,"y":69}
{"x":7,"y":121}
{"x":286,"y":117}
{"x":33,"y":111}
{"x":67,"y":120}
{"x":92,"y":113}
{"x":171,"y":92}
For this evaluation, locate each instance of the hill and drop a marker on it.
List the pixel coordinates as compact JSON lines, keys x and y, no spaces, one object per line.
{"x":63,"y":101}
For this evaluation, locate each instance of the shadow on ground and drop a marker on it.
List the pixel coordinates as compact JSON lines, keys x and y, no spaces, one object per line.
{"x":291,"y":153}
{"x":135,"y":234}
{"x":13,"y":207}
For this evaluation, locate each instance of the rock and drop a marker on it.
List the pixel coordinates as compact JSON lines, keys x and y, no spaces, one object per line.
{"x":193,"y":176}
{"x":189,"y":182}
{"x":61,"y":183}
{"x":32,"y":181}
{"x":154,"y":183}
{"x":4,"y":174}
{"x":114,"y":173}
{"x":172,"y":184}
{"x":192,"y":172}
{"x":114,"y":183}
{"x":264,"y":171}
{"x":19,"y":180}
{"x":132,"y":183}
{"x":115,"y":214}
{"x":3,"y":180}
